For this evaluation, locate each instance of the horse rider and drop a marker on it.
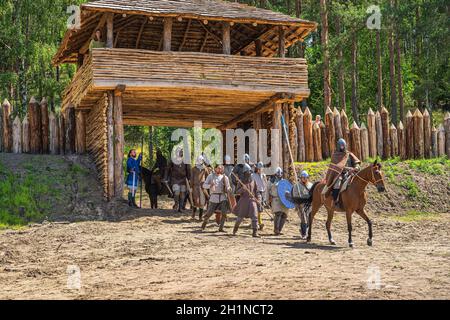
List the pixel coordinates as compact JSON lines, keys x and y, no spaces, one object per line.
{"x":247,"y":206}
{"x":343,"y":163}
{"x":199,"y":195}
{"x":301,"y":193}
{"x":261,"y":182}
{"x":218,"y":185}
{"x":279,"y":210}
{"x":179,"y":174}
{"x":134,"y":176}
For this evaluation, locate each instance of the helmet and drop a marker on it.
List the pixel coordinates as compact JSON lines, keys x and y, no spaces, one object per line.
{"x":342,"y":144}
{"x":200,"y":160}
{"x":304,"y":174}
{"x":247,"y":168}
{"x":279,"y":172}
{"x":260,"y":165}
{"x":246,"y":158}
{"x":227,"y":159}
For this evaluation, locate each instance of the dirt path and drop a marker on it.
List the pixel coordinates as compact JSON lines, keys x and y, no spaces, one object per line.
{"x":165,"y":256}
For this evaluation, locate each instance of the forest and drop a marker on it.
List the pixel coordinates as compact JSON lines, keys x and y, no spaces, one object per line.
{"x":364,"y":54}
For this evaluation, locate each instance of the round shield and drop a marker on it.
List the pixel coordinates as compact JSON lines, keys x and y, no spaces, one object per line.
{"x":284,"y":186}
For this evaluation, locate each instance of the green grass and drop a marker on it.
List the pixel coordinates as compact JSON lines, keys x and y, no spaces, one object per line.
{"x":414,"y":215}
{"x":31,"y":193}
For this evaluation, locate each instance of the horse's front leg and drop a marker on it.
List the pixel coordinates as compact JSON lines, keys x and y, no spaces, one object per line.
{"x":310,"y":222}
{"x":350,"y":228}
{"x":362,"y":214}
{"x":328,"y":225}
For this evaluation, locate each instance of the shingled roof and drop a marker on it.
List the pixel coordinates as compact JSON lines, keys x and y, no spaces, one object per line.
{"x":133,"y":29}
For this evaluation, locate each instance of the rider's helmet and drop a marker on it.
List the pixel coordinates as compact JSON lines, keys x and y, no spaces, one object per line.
{"x":304,"y":174}
{"x":342,"y":145}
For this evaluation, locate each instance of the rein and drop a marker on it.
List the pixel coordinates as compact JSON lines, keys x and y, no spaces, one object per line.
{"x":373,"y":178}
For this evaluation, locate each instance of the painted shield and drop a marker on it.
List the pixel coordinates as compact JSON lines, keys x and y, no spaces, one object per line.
{"x":284,"y":186}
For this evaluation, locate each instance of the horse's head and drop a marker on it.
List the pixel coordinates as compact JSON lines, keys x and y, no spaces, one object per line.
{"x":377,"y":176}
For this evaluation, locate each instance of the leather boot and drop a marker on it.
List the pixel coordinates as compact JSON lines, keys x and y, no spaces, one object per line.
{"x":194,"y":210}
{"x":276,"y":223}
{"x":282,"y":222}
{"x":255,"y":233}
{"x":200,"y":215}
{"x":236,"y":228}
{"x":222,"y":223}
{"x":130,"y":199}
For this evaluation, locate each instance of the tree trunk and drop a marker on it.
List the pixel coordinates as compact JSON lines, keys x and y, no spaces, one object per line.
{"x":380,"y":71}
{"x":341,"y":76}
{"x":326,"y":55}
{"x":399,"y":78}
{"x":392,"y":73}
{"x":355,"y":111}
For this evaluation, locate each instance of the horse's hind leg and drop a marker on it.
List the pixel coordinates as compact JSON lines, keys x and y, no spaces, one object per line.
{"x":363,"y":215}
{"x":328,"y":225}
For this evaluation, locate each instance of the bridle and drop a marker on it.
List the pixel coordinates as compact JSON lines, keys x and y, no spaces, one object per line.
{"x":373,"y":178}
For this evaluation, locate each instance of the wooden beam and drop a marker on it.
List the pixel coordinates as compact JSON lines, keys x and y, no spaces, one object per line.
{"x":185,"y":35}
{"x":226,"y":37}
{"x":110,"y":144}
{"x":119,"y":142}
{"x":263,"y":107}
{"x":140,"y":32}
{"x":218,"y":40}
{"x":281,"y":42}
{"x":100,"y":25}
{"x":258,"y":47}
{"x":167,"y":34}
{"x":204,"y":42}
{"x":109,"y":30}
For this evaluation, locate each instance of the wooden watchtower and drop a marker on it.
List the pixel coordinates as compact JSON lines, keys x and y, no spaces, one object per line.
{"x":173,"y":62}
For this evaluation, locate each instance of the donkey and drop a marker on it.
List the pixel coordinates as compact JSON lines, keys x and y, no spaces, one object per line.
{"x":353,"y":199}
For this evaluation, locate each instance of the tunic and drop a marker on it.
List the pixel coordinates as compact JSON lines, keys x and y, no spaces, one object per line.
{"x":179,"y":173}
{"x":198,"y":177}
{"x":247,"y":206}
{"x":218,"y":186}
{"x":339,"y":161}
{"x":277,"y":205}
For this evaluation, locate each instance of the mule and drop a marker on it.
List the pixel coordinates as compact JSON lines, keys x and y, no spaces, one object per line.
{"x":353,"y":199}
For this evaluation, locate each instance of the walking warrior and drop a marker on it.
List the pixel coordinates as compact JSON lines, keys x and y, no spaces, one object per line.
{"x":303,"y":201}
{"x":199,"y":195}
{"x":134,"y":176}
{"x":279,"y":211}
{"x":179,"y":175}
{"x":218,"y":185}
{"x":247,"y":207}
{"x":261,"y":182}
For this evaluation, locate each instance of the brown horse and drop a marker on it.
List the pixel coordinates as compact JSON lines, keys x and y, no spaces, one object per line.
{"x":353,"y":199}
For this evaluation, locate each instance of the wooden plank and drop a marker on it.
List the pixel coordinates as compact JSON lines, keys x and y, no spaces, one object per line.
{"x":386,"y":137}
{"x":25,"y":135}
{"x":276,"y":124}
{"x":301,"y":154}
{"x":44,"y":126}
{"x":331,"y":132}
{"x":355,"y":138}
{"x":365,"y":153}
{"x":402,"y":141}
{"x":337,"y":124}
{"x":34,"y":117}
{"x":434,"y":142}
{"x":441,"y":141}
{"x":109,"y":30}
{"x":409,"y":135}
{"x":7,"y":126}
{"x":53,"y":137}
{"x":317,"y":142}
{"x":226,"y":37}
{"x":447,"y":133}
{"x":119,"y":143}
{"x":372,"y":132}
{"x":426,"y":134}
{"x":419,"y":150}
{"x":308,"y":134}
{"x":17,"y":135}
{"x":110,"y":145}
{"x":379,"y":129}
{"x":167,"y":34}
{"x":80,"y":140}
{"x":70,"y":133}
{"x":345,"y":126}
{"x":394,"y":141}
{"x":281,"y":41}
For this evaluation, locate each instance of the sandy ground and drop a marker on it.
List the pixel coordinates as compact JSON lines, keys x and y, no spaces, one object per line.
{"x":162,"y":255}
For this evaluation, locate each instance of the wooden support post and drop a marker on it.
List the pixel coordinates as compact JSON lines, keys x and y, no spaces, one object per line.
{"x":372,"y":133}
{"x":308,"y":132}
{"x":276,"y":124}
{"x":167,"y":34}
{"x":434,"y":140}
{"x":109,"y":30}
{"x":70,"y":130}
{"x":386,"y":138}
{"x":25,"y":135}
{"x":301,"y":154}
{"x":292,"y":135}
{"x":62,"y":133}
{"x":80,"y":141}
{"x":54,"y":139}
{"x":331,"y":132}
{"x":418,"y":135}
{"x":44,"y":126}
{"x":441,"y":141}
{"x":317,"y":142}
{"x":281,"y":42}
{"x":7,"y":126}
{"x":401,"y":131}
{"x":409,"y":123}
{"x":119,"y":142}
{"x":365,"y":153}
{"x":34,"y":117}
{"x":226,"y":37}
{"x":325,"y":144}
{"x":394,"y":141}
{"x":17,"y":135}
{"x":345,"y":128}
{"x":258,"y":47}
{"x":379,"y":129}
{"x":426,"y":134}
{"x":110,"y":144}
{"x":447,"y":133}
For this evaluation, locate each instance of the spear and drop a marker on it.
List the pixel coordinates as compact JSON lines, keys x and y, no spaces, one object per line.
{"x":285,"y":128}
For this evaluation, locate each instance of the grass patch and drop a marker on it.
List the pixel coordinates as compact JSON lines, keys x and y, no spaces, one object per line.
{"x":414,"y":215}
{"x":315,"y":169}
